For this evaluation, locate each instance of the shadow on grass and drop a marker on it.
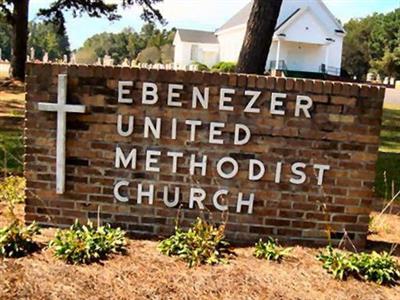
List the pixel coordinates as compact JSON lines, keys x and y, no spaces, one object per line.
{"x":387,"y":174}
{"x":11,"y":151}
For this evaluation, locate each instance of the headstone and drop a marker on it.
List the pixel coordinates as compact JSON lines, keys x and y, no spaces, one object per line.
{"x":65,"y":58}
{"x":45,"y":57}
{"x":386,"y":80}
{"x":98,"y":63}
{"x":73,"y":58}
{"x":32,"y":54}
{"x":370,"y":77}
{"x":125,"y":63}
{"x":108,"y":61}
{"x":283,"y":157}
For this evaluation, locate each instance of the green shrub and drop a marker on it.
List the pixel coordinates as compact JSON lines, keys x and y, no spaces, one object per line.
{"x":271,"y":250}
{"x":224,"y":66}
{"x":201,"y":66}
{"x":203,"y":243}
{"x":16,"y":239}
{"x":12,"y":189}
{"x":87,"y":243}
{"x":337,"y":263}
{"x":380,"y":268}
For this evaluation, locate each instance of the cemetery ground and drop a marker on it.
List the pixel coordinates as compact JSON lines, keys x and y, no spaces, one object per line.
{"x":144,"y":273}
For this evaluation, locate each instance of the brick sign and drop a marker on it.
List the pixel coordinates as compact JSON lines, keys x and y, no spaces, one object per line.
{"x":291,"y":158}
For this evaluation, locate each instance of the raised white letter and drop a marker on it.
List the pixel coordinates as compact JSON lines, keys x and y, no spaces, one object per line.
{"x":122,"y":91}
{"x":217,"y":205}
{"x":117,"y":195}
{"x":149,"y":89}
{"x":241,"y":202}
{"x":245,"y":139}
{"x":203,"y":100}
{"x":276,"y":103}
{"x":120,"y":157}
{"x":278,"y":172}
{"x":193,"y":124}
{"x":176,"y":198}
{"x":172,"y":94}
{"x":151,"y":160}
{"x":249,"y":107}
{"x":202,"y":164}
{"x":223,"y":98}
{"x":260,"y":165}
{"x":300,"y":105}
{"x":120,"y":130}
{"x":155,"y":130}
{"x":197,"y":195}
{"x":215,"y":132}
{"x":321,"y":169}
{"x":141,"y":193}
{"x":174,"y":156}
{"x":235,"y":167}
{"x":173,"y":128}
{"x":295,"y":170}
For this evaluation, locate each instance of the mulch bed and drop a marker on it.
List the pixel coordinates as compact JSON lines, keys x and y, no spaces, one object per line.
{"x":144,"y":273}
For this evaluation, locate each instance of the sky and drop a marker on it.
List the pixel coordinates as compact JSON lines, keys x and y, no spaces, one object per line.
{"x":198,"y":14}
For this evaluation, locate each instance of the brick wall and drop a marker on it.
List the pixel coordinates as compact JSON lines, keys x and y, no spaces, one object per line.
{"x":343,"y":132}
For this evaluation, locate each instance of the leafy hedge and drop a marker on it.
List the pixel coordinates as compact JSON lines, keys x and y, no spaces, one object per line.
{"x":12,"y":189}
{"x":87,"y":243}
{"x":271,"y":250}
{"x":201,"y":66}
{"x":224,"y":66}
{"x":203,"y":243}
{"x":16,"y":239}
{"x":381,"y":268}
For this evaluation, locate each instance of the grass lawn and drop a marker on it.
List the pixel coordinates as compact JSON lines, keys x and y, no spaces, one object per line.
{"x":389,"y":155}
{"x":11,"y":150}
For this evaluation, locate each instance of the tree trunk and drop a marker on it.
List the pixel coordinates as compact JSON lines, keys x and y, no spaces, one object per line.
{"x":19,"y":38}
{"x":258,"y":38}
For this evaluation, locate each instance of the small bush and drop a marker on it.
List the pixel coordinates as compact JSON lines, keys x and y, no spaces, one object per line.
{"x":201,"y":244}
{"x":16,"y":239}
{"x":201,"y":66}
{"x":271,"y":250}
{"x":336,"y":263}
{"x":224,"y":66}
{"x":87,"y":243}
{"x":380,"y":268}
{"x":12,"y":189}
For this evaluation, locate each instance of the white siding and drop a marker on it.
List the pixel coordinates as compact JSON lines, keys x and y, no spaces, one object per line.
{"x":231,"y":43}
{"x":303,"y":46}
{"x":187,"y":53}
{"x":306,"y":29}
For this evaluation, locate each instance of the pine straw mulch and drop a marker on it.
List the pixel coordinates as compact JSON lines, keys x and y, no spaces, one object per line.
{"x":146,"y":274}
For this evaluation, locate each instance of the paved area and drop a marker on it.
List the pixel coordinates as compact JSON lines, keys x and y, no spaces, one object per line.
{"x":392,"y":99}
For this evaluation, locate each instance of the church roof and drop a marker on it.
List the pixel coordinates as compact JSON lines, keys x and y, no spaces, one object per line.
{"x":288,"y":10}
{"x":197,"y":36}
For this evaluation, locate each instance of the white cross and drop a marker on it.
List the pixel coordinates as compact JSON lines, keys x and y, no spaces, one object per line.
{"x":62,"y":109}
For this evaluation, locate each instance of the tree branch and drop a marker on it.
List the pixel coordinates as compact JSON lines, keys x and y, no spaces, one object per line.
{"x":96,"y":9}
{"x":7,"y":12}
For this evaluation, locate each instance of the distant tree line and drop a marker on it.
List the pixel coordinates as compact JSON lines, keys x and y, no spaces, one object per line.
{"x":42,"y":37}
{"x":372,"y":44}
{"x":150,"y":45}
{"x":15,"y":14}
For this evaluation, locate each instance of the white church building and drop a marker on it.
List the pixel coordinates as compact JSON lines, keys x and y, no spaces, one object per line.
{"x":307,"y":38}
